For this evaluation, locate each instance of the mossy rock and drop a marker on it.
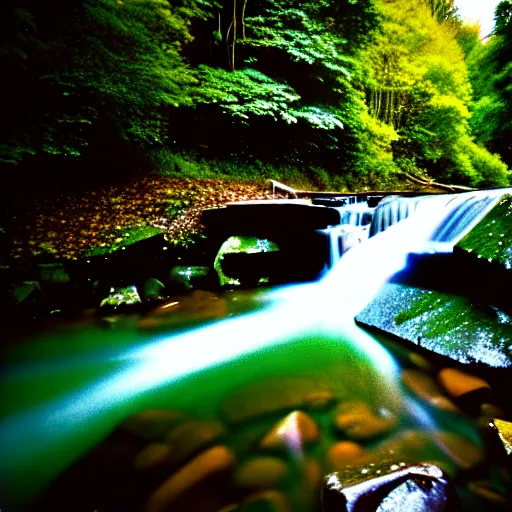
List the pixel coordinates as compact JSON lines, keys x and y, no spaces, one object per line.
{"x":491,"y":238}
{"x":450,"y":325}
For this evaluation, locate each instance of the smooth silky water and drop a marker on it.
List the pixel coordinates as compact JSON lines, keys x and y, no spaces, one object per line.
{"x":67,"y":388}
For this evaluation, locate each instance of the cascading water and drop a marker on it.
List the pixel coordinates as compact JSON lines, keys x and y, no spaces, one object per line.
{"x":292,"y":319}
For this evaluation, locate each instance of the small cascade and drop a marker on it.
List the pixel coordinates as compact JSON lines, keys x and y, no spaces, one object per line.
{"x":391,"y":210}
{"x":465,"y":210}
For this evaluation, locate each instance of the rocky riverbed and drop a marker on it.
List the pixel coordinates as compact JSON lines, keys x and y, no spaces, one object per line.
{"x":272,"y":442}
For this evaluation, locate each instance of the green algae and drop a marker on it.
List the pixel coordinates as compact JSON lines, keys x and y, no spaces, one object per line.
{"x":491,"y":238}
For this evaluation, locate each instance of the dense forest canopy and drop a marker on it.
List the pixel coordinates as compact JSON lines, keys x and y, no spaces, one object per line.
{"x":356,"y":92}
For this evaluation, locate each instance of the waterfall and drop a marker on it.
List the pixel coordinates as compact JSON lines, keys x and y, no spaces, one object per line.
{"x":465,"y":210}
{"x":391,"y":210}
{"x":459,"y":212}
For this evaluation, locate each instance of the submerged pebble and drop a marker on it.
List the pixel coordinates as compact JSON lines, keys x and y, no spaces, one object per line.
{"x":152,"y":424}
{"x":211,"y":462}
{"x":344,"y":453}
{"x":260,"y":473}
{"x":357,"y":420}
{"x":293,"y":431}
{"x":457,"y":382}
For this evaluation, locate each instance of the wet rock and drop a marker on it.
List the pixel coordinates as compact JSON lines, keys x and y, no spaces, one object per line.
{"x":26,"y":291}
{"x":491,"y":238}
{"x":152,"y":425}
{"x":292,"y":432}
{"x":153,"y":289}
{"x":189,"y":278}
{"x":153,"y":456}
{"x":357,"y":420}
{"x":260,"y":473}
{"x":345,"y":453}
{"x":276,"y":395}
{"x":460,"y":450}
{"x":268,"y":501}
{"x":210,"y":463}
{"x":388,"y":487}
{"x":426,"y":388}
{"x":459,"y":383}
{"x":406,"y":445}
{"x":121,"y":297}
{"x":53,"y":273}
{"x":191,"y":436}
{"x":312,"y":472}
{"x":450,"y":324}
{"x":504,"y":431}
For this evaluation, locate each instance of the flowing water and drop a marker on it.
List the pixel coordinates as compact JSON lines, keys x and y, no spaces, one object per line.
{"x":67,"y":388}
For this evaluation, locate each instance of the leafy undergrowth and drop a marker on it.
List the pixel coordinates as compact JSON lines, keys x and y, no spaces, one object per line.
{"x":97,"y":222}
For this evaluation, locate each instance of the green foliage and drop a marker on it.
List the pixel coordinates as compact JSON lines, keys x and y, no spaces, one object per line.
{"x":490,"y":68}
{"x":247,"y":93}
{"x":347,"y":93}
{"x":417,"y":82}
{"x":189,"y":166}
{"x":97,"y":64}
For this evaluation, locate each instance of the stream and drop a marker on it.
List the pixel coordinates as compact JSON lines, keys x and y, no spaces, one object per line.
{"x":67,"y":390}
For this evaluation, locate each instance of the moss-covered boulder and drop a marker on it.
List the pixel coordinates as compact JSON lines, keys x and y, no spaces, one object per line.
{"x":491,"y":238}
{"x":451,"y":325}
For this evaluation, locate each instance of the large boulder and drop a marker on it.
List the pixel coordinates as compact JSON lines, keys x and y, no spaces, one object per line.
{"x":448,"y":324}
{"x":388,"y":486}
{"x":491,"y":238}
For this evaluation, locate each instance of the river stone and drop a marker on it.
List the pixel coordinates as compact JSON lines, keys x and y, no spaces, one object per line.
{"x":152,"y":456}
{"x":459,"y":383}
{"x":312,"y":474}
{"x":357,"y":420}
{"x":152,"y":424}
{"x":504,"y":431}
{"x":345,"y":453}
{"x":460,"y":450}
{"x":204,"y":466}
{"x":267,"y":501}
{"x":53,"y":273}
{"x":260,"y":473}
{"x":426,"y":388}
{"x":274,"y":395}
{"x":191,"y":436}
{"x":388,"y":487}
{"x":293,"y":432}
{"x":406,"y":445}
{"x":487,"y":492}
{"x":153,"y":289}
{"x":127,"y":296}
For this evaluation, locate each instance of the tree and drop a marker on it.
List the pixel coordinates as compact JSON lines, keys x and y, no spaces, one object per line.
{"x":417,"y":83}
{"x":82,"y":69}
{"x":490,"y":71}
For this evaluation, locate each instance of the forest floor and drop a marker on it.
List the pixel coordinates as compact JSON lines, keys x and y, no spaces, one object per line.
{"x":76,"y":225}
{"x":71,"y":226}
